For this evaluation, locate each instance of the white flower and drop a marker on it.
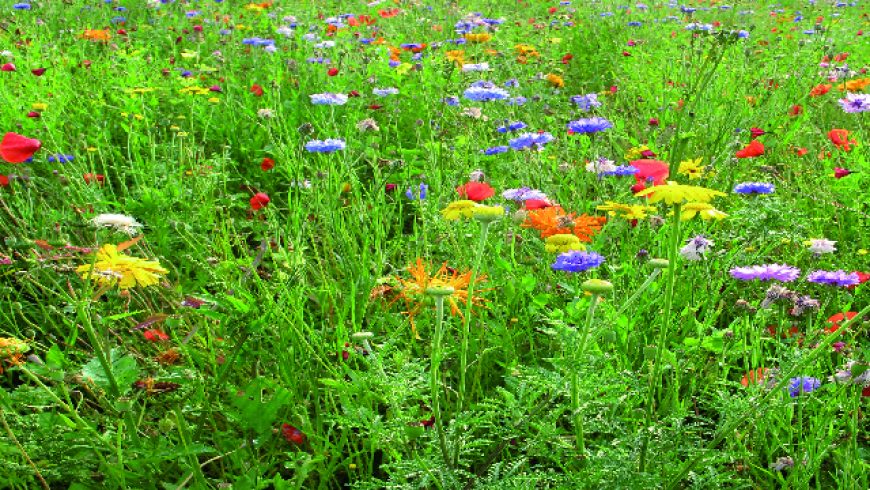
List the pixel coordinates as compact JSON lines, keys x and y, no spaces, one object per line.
{"x":600,"y":166}
{"x":468,"y":67}
{"x":285,"y":31}
{"x":821,"y":246}
{"x":266,"y":113}
{"x":367,"y":125}
{"x":696,"y":248}
{"x":120,"y":222}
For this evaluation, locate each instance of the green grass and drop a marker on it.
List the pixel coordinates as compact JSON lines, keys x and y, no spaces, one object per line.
{"x":303,"y":320}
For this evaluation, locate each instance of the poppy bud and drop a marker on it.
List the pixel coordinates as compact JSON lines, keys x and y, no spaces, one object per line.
{"x":653,"y":121}
{"x":353,"y":93}
{"x":839,"y":173}
{"x":33,"y":115}
{"x":332,"y":72}
{"x":38,"y":71}
{"x":4,"y":181}
{"x":292,"y":434}
{"x":259,"y":201}
{"x":267,"y":164}
{"x":257,"y":90}
{"x":7,"y":67}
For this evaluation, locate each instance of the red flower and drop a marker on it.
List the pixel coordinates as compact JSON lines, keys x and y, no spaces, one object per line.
{"x":292,"y":434}
{"x":795,"y":110}
{"x":267,"y":164}
{"x":38,"y":71}
{"x":375,"y":107}
{"x":94,"y":178}
{"x":34,"y":115}
{"x":839,"y":173}
{"x":801,"y":151}
{"x":647,"y":170}
{"x":386,"y":14}
{"x":753,"y":149}
{"x":476,"y":191}
{"x":155,"y":335}
{"x":332,"y":71}
{"x":259,"y":201}
{"x":653,"y":121}
{"x":638,"y":187}
{"x":257,"y":90}
{"x":840,"y":139}
{"x":7,"y":67}
{"x":4,"y":181}
{"x":820,"y":89}
{"x":389,"y":188}
{"x":364,"y":20}
{"x":353,"y":93}
{"x":756,"y":132}
{"x":835,"y":320}
{"x":531,"y":204}
{"x":15,"y":148}
{"x":756,"y":376}
{"x":568,"y":57}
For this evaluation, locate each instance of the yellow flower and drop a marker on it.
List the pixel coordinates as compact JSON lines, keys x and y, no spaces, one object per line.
{"x":459,"y":209}
{"x":404,"y":68}
{"x":456,"y":56}
{"x":704,"y":210}
{"x":193,"y":89}
{"x":557,"y":244}
{"x":691,"y":168}
{"x":114,"y":268}
{"x":627,"y":211}
{"x":213,"y":100}
{"x":478,"y":38}
{"x":12,"y":351}
{"x":555,"y":80}
{"x":187,"y":54}
{"x":486,"y":213}
{"x":137,"y":91}
{"x":39,"y":106}
{"x":636,"y":152}
{"x":674,"y":193}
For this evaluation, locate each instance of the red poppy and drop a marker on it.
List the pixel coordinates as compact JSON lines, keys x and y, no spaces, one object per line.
{"x":647,"y":170}
{"x":638,"y":187}
{"x":840,"y":139}
{"x":568,"y":57}
{"x":835,"y":320}
{"x":756,"y":132}
{"x":363,"y":20}
{"x":332,"y":71}
{"x":795,"y":110}
{"x":94,"y":178}
{"x":259,"y":201}
{"x":4,"y":181}
{"x":38,"y":71}
{"x":653,"y":121}
{"x":15,"y":148}
{"x":375,"y":107}
{"x":155,"y":335}
{"x":267,"y":164}
{"x":537,"y":204}
{"x":292,"y":434}
{"x":257,"y":90}
{"x":386,"y":14}
{"x":756,"y":376}
{"x":7,"y":67}
{"x":476,"y":191}
{"x":791,"y":332}
{"x":34,"y":115}
{"x":862,"y":278}
{"x":820,"y":89}
{"x":753,"y":149}
{"x":839,"y":173}
{"x":801,"y":151}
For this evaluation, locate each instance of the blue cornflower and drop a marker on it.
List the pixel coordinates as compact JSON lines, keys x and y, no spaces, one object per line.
{"x":621,"y":171}
{"x":451,"y":101}
{"x":589,"y":125}
{"x":409,"y":193}
{"x":586,"y":102}
{"x":485,"y":91}
{"x":519,"y":100}
{"x":577,"y":261}
{"x":834,"y":278}
{"x":328,"y":99}
{"x":21,"y":6}
{"x":513,"y":82}
{"x":754,"y":188}
{"x":411,"y":46}
{"x":802,"y":384}
{"x":514,"y":126}
{"x":634,"y":24}
{"x":60,"y":158}
{"x":495,"y":150}
{"x":256,"y":41}
{"x":383,"y":92}
{"x":325,"y":146}
{"x":527,"y":140}
{"x":394,"y":63}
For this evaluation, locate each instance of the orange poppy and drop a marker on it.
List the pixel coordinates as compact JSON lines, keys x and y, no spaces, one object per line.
{"x":98,"y":35}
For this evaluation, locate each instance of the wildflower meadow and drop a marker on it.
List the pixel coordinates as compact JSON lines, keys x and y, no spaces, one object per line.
{"x":401,"y":244}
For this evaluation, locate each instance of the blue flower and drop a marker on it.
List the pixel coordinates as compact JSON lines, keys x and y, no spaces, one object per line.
{"x":21,"y":6}
{"x":256,"y":41}
{"x":754,"y":188}
{"x":589,"y":125}
{"x":834,"y":278}
{"x":328,"y":99}
{"x":383,"y":92}
{"x":451,"y":101}
{"x":60,"y":158}
{"x":485,"y":91}
{"x":409,"y":193}
{"x":577,"y":261}
{"x":325,"y":146}
{"x":527,"y":140}
{"x":621,"y":171}
{"x":520,"y":100}
{"x":802,"y":384}
{"x":495,"y":150}
{"x":514,"y":126}
{"x":586,"y":102}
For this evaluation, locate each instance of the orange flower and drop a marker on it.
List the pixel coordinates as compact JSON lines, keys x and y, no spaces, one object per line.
{"x":98,"y":35}
{"x":854,"y":85}
{"x":585,"y":226}
{"x":820,"y":89}
{"x":840,"y":139}
{"x":554,"y":221}
{"x":413,"y":290}
{"x":478,"y":38}
{"x":555,"y":80}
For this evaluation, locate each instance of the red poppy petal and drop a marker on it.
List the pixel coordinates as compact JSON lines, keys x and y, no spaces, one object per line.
{"x":16,"y":148}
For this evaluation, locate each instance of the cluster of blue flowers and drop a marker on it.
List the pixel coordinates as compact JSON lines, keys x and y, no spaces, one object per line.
{"x":577,"y":261}
{"x":485,"y":91}
{"x":328,"y":99}
{"x":589,"y":125}
{"x":325,"y":146}
{"x":527,"y":140}
{"x":511,"y":126}
{"x":754,"y":188}
{"x":586,"y":102}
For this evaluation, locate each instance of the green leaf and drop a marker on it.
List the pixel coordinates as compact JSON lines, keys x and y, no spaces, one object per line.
{"x":257,"y":408}
{"x":123,"y":367}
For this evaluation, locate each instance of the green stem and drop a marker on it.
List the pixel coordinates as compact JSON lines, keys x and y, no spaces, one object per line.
{"x":433,"y":377}
{"x":579,"y":433}
{"x":654,"y":379}
{"x":652,"y":277}
{"x":823,"y":348}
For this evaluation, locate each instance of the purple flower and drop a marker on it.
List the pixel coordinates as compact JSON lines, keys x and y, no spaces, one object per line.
{"x":523,"y":193}
{"x":621,"y":171}
{"x":767,"y":272}
{"x":409,"y":193}
{"x":485,"y":91}
{"x":513,"y":126}
{"x":328,"y":99}
{"x":834,"y":278}
{"x":855,"y":103}
{"x":526,"y":140}
{"x":589,"y":125}
{"x":586,"y":102}
{"x":754,"y":188}
{"x":802,"y":384}
{"x":577,"y":261}
{"x":325,"y":146}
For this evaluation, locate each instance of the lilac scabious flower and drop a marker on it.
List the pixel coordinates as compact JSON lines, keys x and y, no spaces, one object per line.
{"x":767,"y":272}
{"x":527,"y":140}
{"x":834,"y":278}
{"x":523,"y":193}
{"x":328,"y":99}
{"x":586,"y":102}
{"x":754,"y":188}
{"x":577,"y":261}
{"x":486,"y":91}
{"x":854,"y":103}
{"x":589,"y":125}
{"x":383,"y":92}
{"x":514,"y":126}
{"x":495,"y":150}
{"x":802,"y":384}
{"x":325,"y":146}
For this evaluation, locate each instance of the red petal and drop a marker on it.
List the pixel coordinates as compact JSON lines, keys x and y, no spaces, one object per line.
{"x":16,"y":148}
